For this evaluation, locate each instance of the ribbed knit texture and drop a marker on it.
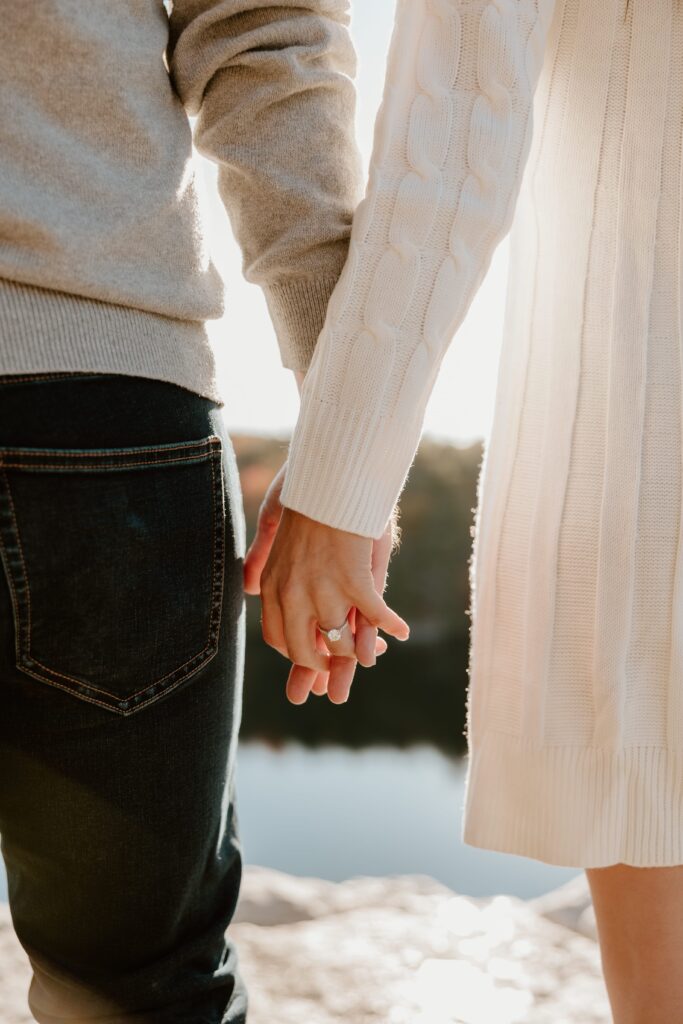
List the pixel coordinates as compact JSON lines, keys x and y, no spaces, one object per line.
{"x":46,"y":330}
{"x":103,"y":261}
{"x":575,"y":701}
{"x":452,"y":137}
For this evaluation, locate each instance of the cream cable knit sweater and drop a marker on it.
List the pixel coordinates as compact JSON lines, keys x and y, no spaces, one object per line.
{"x":452,"y":138}
{"x":575,"y":702}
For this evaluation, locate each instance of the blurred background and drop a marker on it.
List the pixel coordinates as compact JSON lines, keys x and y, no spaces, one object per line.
{"x":373,"y":787}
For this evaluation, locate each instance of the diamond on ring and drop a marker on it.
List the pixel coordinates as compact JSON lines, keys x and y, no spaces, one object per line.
{"x":335,"y":633}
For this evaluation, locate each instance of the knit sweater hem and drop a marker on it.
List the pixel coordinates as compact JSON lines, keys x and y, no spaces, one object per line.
{"x":43,"y":330}
{"x":575,"y":806}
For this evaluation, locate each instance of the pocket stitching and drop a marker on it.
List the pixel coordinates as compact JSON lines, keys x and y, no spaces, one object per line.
{"x":15,"y":378}
{"x":207,"y":442}
{"x":23,"y":635}
{"x":100,"y":465}
{"x":60,"y":462}
{"x":10,"y":577}
{"x":118,"y":708}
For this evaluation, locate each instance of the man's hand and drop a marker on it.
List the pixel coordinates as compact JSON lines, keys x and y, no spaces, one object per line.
{"x":360,"y":644}
{"x":269,"y":517}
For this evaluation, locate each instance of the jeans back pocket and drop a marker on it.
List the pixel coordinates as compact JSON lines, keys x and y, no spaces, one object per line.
{"x":115,"y":562}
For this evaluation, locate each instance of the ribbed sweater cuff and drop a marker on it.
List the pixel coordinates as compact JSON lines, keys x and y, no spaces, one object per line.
{"x":346,"y":468}
{"x":298,"y":308}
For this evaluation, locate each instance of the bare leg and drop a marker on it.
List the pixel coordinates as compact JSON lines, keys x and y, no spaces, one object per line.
{"x":639,"y":915}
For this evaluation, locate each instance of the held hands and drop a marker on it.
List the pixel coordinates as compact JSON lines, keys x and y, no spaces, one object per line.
{"x":310,"y":575}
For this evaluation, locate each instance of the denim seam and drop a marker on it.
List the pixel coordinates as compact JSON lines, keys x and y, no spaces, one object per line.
{"x":15,"y":378}
{"x":10,"y":577}
{"x":13,"y":513}
{"x":102,"y":465}
{"x":23,"y":645}
{"x":204,"y":442}
{"x":60,"y":460}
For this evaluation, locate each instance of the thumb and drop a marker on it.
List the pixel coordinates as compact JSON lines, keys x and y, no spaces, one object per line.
{"x":366,"y":634}
{"x":259,"y":550}
{"x":378,"y":613}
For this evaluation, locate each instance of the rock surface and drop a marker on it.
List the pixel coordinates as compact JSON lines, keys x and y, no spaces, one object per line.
{"x":402,"y":950}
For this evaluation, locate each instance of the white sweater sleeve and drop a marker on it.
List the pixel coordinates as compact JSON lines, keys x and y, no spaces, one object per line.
{"x":451,"y":141}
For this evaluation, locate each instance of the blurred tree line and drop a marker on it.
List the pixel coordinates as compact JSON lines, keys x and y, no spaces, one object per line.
{"x":416,"y":692}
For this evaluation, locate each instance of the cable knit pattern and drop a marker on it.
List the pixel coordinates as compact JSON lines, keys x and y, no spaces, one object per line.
{"x":570,"y":114}
{"x":452,"y":138}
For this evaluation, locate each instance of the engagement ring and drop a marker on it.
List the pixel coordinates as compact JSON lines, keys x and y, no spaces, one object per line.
{"x":334,"y":634}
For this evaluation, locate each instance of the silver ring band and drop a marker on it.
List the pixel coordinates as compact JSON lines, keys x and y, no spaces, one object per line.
{"x":334,"y":634}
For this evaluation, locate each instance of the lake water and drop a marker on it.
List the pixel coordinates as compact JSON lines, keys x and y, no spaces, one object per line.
{"x":335,"y":813}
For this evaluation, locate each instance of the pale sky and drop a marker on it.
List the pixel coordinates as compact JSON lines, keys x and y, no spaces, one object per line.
{"x":260,"y":395}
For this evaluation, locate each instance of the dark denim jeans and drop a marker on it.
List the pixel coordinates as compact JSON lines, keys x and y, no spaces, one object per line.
{"x":121,"y":655}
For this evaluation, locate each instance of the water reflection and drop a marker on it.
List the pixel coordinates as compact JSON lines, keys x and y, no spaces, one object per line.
{"x":335,"y":813}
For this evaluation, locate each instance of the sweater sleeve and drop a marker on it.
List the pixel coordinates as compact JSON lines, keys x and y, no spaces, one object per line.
{"x":451,"y":141}
{"x":271,"y":84}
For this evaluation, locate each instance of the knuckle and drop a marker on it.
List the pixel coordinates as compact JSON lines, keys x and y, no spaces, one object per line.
{"x":364,"y":593}
{"x":268,"y":588}
{"x":289,"y":588}
{"x":268,"y":635}
{"x":355,"y":582}
{"x":298,"y":656}
{"x":265,"y":518}
{"x":344,"y":648}
{"x":369,"y":606}
{"x":331,"y":616}
{"x":304,"y":657}
{"x":326,"y":593}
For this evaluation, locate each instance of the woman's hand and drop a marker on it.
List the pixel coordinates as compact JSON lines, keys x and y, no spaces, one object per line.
{"x":317,"y":575}
{"x":360,"y":641}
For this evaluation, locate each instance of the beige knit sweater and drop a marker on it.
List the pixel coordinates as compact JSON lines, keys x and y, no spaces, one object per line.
{"x":103,"y":263}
